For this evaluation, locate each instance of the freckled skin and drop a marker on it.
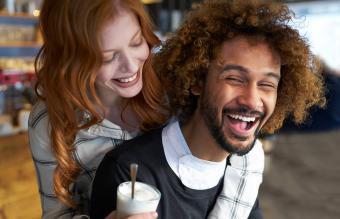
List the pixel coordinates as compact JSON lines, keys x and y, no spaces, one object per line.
{"x":124,"y":55}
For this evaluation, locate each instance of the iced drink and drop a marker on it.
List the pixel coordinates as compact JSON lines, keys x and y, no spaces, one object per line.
{"x":146,"y":199}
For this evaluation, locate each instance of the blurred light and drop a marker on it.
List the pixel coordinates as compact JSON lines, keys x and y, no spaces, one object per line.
{"x":36,"y":13}
{"x":321,"y":26}
{"x":151,"y":1}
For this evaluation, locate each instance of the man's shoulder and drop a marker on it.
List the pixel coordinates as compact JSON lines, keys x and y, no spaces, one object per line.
{"x":139,"y":148}
{"x":148,"y":138}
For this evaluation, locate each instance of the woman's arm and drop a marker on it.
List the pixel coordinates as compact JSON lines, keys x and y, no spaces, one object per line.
{"x":45,"y":163}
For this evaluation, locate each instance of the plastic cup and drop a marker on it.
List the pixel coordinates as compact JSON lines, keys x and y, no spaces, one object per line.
{"x":146,"y":199}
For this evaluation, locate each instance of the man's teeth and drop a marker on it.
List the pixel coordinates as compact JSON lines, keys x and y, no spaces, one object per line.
{"x":126,"y":80}
{"x":243,"y":118}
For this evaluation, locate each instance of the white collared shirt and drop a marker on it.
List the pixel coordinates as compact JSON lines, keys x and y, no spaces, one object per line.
{"x":194,"y":173}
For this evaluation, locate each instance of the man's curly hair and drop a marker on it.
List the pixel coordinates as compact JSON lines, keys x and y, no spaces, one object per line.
{"x":183,"y":60}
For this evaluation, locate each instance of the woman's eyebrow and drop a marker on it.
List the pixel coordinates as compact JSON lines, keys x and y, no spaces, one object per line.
{"x":134,"y":36}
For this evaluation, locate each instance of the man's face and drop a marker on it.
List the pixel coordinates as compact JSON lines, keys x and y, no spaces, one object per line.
{"x":240,"y":93}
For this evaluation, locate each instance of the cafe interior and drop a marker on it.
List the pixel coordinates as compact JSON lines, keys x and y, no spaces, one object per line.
{"x":301,"y":165}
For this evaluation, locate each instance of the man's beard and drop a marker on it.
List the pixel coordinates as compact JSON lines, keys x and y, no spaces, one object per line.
{"x":210,"y":115}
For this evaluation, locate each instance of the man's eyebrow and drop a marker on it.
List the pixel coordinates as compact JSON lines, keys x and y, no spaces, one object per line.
{"x":246,"y":71}
{"x":133,"y":36}
{"x":234,"y":67}
{"x":274,"y":75}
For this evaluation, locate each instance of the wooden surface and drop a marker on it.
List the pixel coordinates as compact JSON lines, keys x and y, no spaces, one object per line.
{"x":18,"y":186}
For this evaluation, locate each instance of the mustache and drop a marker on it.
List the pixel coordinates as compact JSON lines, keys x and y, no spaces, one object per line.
{"x":242,"y":110}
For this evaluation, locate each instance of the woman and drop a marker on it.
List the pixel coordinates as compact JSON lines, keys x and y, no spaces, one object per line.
{"x":92,"y":96}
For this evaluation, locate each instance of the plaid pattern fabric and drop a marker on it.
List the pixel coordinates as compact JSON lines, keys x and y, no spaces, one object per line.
{"x":241,"y":184}
{"x":241,"y":181}
{"x":91,"y":146}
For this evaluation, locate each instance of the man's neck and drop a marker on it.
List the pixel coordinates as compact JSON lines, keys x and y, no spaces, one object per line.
{"x":200,"y":142}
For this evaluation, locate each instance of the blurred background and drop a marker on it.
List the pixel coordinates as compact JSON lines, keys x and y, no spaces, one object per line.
{"x":302,"y":162}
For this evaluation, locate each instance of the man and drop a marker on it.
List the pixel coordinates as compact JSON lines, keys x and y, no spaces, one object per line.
{"x":232,"y":70}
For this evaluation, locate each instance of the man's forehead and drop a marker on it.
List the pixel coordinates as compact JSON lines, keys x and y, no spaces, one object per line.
{"x":244,"y":44}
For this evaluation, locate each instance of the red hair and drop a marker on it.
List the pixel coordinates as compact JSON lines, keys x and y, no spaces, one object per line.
{"x":67,"y":65}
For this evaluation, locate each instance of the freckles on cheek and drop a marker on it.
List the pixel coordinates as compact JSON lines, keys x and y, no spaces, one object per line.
{"x":107,"y":72}
{"x":146,"y":52}
{"x":146,"y":56}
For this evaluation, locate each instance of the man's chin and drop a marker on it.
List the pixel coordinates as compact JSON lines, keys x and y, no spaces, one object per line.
{"x":245,"y":150}
{"x":241,"y":146}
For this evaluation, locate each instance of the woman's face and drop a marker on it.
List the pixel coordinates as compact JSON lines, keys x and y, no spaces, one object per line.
{"x":124,"y":52}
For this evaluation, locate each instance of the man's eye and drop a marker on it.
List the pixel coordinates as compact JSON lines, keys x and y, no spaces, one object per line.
{"x":234,"y":80}
{"x":268,"y":85}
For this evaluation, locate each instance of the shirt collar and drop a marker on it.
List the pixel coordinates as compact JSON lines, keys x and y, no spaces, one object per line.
{"x":108,"y":129}
{"x":193,"y":172}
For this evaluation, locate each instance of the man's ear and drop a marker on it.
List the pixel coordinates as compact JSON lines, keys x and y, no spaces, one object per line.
{"x":196,"y":90}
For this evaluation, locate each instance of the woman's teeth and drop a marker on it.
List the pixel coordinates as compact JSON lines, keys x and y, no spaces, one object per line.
{"x":126,"y":80}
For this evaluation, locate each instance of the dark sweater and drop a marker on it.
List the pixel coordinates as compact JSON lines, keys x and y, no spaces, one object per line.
{"x":177,"y":201}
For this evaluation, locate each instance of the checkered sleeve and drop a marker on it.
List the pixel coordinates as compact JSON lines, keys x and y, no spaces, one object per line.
{"x":45,"y":163}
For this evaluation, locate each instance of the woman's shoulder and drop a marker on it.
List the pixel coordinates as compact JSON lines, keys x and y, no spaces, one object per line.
{"x":38,"y":114}
{"x":39,"y":131}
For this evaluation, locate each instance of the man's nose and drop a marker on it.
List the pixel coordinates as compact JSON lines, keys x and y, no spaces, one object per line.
{"x":251,"y":98}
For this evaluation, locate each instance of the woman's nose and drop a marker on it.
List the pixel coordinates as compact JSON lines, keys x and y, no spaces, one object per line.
{"x":129,"y":64}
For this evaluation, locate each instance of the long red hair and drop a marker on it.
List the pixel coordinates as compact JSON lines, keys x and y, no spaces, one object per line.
{"x":66,"y":67}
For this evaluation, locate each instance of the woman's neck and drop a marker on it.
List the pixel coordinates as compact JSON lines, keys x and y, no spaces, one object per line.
{"x":118,"y":111}
{"x":123,"y":115}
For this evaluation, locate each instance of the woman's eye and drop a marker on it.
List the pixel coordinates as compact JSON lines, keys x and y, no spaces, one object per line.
{"x":138,"y":42}
{"x":111,"y":59}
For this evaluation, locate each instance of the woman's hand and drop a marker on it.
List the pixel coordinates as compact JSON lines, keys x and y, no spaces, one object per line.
{"x":148,"y":215}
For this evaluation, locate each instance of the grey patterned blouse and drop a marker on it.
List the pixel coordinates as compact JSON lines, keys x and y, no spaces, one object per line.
{"x":91,"y":145}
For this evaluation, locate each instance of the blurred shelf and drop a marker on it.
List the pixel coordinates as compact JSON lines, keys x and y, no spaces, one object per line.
{"x":21,"y":23}
{"x":18,"y":19}
{"x":18,"y":15}
{"x":20,"y":44}
{"x":21,"y":51}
